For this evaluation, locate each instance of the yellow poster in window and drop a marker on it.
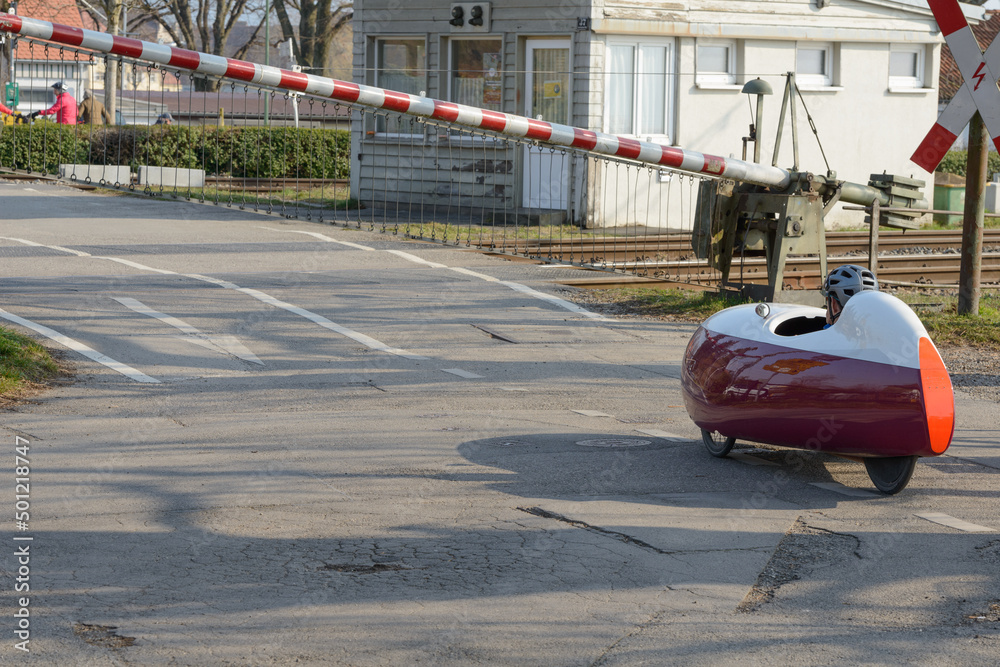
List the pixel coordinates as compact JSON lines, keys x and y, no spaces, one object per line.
{"x":552,"y":90}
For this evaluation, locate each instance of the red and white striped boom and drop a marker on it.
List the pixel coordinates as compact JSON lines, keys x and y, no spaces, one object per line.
{"x":668,"y":157}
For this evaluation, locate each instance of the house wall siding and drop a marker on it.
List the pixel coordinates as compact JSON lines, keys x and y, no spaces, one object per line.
{"x":864,"y":127}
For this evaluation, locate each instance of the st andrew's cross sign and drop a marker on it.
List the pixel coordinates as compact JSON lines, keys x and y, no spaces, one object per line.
{"x":979,"y":90}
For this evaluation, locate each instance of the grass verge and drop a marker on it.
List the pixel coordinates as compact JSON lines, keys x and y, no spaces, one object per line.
{"x":939,"y":313}
{"x":670,"y":304}
{"x":24,"y":364}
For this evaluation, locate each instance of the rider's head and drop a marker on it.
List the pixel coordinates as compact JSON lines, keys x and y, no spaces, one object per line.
{"x":843,"y":283}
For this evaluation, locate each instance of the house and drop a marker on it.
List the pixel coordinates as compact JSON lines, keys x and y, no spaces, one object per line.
{"x":37,"y":67}
{"x":666,"y":71}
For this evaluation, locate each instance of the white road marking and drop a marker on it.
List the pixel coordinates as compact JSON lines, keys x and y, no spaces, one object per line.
{"x":666,"y":435}
{"x":517,"y":287}
{"x":562,"y":303}
{"x":952,"y":522}
{"x":462,"y":374}
{"x":78,"y":253}
{"x":228,"y":344}
{"x":749,"y":459}
{"x":367,"y":341}
{"x":474,"y":274}
{"x":417,"y":260}
{"x":845,"y":490}
{"x":322,"y":237}
{"x":590,"y":413}
{"x":141,"y":267}
{"x":80,"y":348}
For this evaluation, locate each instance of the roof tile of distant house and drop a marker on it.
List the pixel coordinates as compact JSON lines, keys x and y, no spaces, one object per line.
{"x":57,"y":11}
{"x":951,"y":79}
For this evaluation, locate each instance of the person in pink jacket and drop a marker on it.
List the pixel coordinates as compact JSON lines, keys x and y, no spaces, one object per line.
{"x":64,"y":108}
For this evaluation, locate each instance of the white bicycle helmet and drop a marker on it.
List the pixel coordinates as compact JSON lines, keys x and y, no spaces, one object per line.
{"x":846,"y":281}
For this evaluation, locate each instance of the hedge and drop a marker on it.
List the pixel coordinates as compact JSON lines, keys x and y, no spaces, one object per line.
{"x":954,"y":162}
{"x":243,"y":152}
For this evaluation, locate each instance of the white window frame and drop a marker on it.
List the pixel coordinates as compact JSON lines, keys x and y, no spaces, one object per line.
{"x":450,"y":74}
{"x":669,"y":87}
{"x":813,"y":80}
{"x":909,"y":83}
{"x":378,"y":69}
{"x":714,"y":79}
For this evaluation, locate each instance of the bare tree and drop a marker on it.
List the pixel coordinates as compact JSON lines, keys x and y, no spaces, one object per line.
{"x":202,"y":25}
{"x":319,"y":22}
{"x":108,"y":13}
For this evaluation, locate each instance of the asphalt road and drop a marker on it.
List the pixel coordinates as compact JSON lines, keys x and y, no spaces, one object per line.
{"x":290,"y":442}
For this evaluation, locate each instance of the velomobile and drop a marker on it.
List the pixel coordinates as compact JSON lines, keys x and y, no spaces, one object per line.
{"x":871,"y":387}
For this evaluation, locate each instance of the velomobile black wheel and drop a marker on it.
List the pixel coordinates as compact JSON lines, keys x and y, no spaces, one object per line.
{"x":891,"y":474}
{"x":716,"y":443}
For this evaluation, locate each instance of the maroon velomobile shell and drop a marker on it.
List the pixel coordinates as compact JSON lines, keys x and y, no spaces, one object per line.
{"x":871,"y":385}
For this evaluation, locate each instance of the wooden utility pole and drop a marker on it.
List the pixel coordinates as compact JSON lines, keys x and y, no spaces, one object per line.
{"x":972,"y":227}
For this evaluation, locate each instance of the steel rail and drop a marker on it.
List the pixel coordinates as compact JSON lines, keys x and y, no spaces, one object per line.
{"x":666,"y":247}
{"x":933,"y":271}
{"x":520,"y":127}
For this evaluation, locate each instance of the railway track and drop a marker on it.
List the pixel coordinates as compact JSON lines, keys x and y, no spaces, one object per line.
{"x":613,"y":249}
{"x":917,"y":257}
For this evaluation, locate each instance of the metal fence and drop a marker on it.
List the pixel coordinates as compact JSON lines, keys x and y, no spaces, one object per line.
{"x":235,"y":142}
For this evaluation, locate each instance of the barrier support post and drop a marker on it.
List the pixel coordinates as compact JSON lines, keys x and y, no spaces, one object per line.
{"x":972,"y":226}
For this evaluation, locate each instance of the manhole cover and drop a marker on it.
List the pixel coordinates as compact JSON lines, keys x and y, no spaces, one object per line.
{"x":614,"y":443}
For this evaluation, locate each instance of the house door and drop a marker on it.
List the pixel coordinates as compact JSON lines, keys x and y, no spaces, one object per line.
{"x":547,"y":97}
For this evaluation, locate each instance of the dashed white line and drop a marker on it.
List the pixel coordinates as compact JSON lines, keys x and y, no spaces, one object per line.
{"x":367,"y":341}
{"x":952,"y":522}
{"x":78,"y":253}
{"x":322,"y":237}
{"x":80,"y":348}
{"x":562,"y":303}
{"x":590,"y":413}
{"x":227,"y":344}
{"x":462,"y":374}
{"x":666,"y":435}
{"x":517,"y":287}
{"x":141,"y":267}
{"x":417,"y":260}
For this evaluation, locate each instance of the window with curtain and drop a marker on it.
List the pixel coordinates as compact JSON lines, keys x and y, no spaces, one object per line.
{"x":814,"y":64}
{"x":640,"y":89}
{"x":715,"y":62}
{"x":906,"y":66}
{"x":476,"y":76}
{"x":400,"y":64}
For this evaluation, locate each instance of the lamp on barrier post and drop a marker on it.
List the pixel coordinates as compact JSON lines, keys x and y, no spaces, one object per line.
{"x":760,"y":88}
